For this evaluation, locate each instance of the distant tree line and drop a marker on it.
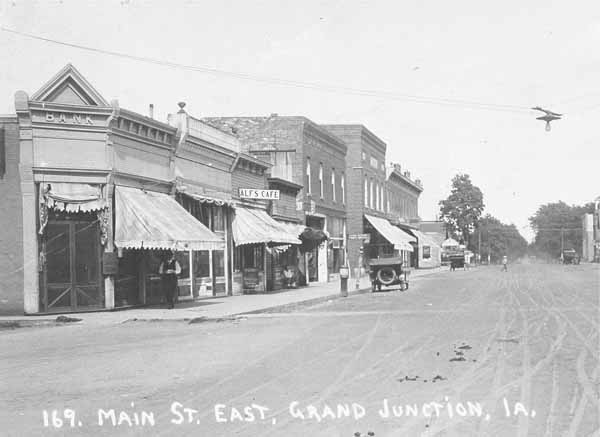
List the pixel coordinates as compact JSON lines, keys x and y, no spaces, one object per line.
{"x":462,"y":212}
{"x":558,"y":225}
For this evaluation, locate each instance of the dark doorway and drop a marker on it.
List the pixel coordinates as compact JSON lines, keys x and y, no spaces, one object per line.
{"x":71,"y":276}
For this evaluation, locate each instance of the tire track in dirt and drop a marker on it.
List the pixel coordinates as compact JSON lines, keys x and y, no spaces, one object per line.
{"x":553,"y":400}
{"x":554,"y":347}
{"x":580,"y":410}
{"x":388,"y":375}
{"x":442,"y":318}
{"x":471,"y":376}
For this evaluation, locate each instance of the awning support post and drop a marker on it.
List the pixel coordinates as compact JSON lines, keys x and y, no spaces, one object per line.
{"x":109,"y":280}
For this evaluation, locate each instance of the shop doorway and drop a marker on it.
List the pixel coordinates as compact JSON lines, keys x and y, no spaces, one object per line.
{"x":316,"y":258}
{"x":71,"y":275}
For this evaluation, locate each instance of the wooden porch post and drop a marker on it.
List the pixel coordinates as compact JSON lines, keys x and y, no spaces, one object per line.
{"x":109,"y":280}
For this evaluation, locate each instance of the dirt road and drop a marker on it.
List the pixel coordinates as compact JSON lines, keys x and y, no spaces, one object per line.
{"x":479,"y":352}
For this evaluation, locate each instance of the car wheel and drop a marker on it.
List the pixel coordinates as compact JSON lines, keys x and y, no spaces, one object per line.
{"x":386,"y":275}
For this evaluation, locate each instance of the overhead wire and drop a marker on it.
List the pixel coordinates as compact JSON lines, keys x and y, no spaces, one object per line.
{"x":442,"y":101}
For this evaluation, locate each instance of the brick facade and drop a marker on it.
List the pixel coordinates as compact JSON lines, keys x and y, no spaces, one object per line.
{"x":307,"y":144}
{"x":11,"y":220}
{"x":365,"y":161}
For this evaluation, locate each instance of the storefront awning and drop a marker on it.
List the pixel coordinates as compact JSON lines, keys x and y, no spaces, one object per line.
{"x":252,"y":226}
{"x":149,"y":220}
{"x":396,"y":236}
{"x":214,"y":198}
{"x":424,"y":240}
{"x":293,"y":228}
{"x":71,"y":197}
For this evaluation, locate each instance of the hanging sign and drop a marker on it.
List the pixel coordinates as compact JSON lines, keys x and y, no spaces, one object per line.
{"x":249,"y":193}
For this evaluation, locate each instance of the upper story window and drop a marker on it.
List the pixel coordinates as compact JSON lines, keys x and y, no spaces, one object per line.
{"x":343,"y":188}
{"x":381,"y":197}
{"x":321,"y":180}
{"x":308,"y":179}
{"x":374,"y":163}
{"x":364,"y":156}
{"x":333,"y":184}
{"x":366,"y":193}
{"x":372,"y":199}
{"x":376,"y":195}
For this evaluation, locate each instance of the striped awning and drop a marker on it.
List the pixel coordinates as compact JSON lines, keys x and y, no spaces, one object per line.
{"x":396,"y":236}
{"x":293,"y":228}
{"x":74,"y":197}
{"x":149,"y":220}
{"x":253,"y":226}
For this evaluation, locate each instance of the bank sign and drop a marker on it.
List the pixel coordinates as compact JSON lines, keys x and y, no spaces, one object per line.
{"x":249,"y":193}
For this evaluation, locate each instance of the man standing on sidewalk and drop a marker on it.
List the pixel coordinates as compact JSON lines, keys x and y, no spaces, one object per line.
{"x":169,"y":270}
{"x":504,"y":263}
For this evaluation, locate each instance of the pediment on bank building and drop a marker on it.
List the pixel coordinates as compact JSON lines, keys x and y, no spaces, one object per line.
{"x":69,"y":87}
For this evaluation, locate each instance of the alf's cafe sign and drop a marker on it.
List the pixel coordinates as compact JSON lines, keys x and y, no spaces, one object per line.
{"x":249,"y":193}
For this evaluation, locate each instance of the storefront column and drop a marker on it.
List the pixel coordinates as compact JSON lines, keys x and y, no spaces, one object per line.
{"x":226,"y":252}
{"x":31,"y":291}
{"x":265,"y":276}
{"x":213,"y":280}
{"x":109,"y":247}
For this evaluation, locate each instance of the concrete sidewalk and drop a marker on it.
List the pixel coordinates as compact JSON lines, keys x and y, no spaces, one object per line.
{"x":212,"y":308}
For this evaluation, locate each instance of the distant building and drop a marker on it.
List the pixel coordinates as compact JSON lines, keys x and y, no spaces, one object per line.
{"x":591,"y":234}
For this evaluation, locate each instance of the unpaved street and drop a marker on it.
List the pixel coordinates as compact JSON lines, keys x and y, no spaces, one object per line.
{"x":478,"y":352}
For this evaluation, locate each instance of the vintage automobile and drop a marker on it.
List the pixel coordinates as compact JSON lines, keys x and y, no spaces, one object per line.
{"x":387,"y":272}
{"x":570,"y":256}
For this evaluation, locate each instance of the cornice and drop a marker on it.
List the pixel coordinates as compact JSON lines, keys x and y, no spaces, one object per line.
{"x":147,"y":121}
{"x":406,"y":181}
{"x":323,"y":135}
{"x":285,"y":183}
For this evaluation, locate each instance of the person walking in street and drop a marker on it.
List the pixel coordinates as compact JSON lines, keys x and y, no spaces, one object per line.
{"x":169,"y":269}
{"x":505,"y":263}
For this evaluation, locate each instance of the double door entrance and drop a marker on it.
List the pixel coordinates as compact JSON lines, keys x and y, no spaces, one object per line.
{"x":71,"y":277}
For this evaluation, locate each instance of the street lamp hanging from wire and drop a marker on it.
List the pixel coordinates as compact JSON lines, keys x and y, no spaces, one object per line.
{"x":550,"y":116}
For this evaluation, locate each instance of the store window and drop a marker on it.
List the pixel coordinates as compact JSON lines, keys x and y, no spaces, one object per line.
{"x":218,"y":222}
{"x":333,"y":184}
{"x":426,"y":252}
{"x":321,"y":180}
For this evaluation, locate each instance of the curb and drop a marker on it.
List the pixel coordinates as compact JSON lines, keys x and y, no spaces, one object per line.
{"x":308,"y":302}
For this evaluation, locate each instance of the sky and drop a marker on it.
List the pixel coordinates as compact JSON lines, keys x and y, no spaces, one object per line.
{"x":500,"y":57}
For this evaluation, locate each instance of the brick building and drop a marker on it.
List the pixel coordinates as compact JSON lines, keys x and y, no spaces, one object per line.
{"x":302,"y":152}
{"x":11,"y":218}
{"x":366,"y":208}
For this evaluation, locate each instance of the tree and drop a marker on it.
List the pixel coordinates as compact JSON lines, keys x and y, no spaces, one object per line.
{"x":558,"y":225}
{"x":463,"y":207}
{"x":498,"y":239}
